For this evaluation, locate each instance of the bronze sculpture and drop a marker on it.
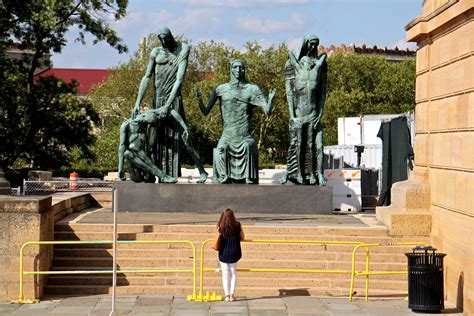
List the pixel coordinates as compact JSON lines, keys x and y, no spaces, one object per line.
{"x":167,"y":66}
{"x":306,"y":76}
{"x":236,"y":155}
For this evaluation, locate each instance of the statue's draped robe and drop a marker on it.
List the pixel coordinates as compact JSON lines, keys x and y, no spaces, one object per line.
{"x":168,"y":132}
{"x":236,"y":155}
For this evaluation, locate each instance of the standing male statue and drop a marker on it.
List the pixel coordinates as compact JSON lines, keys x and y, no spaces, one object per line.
{"x":306,"y":77}
{"x":236,"y":155}
{"x":168,"y":65}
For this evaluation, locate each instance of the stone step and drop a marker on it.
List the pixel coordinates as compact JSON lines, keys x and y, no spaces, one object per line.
{"x":197,"y":238}
{"x":264,"y":276}
{"x":186,"y":290}
{"x":170,"y":263}
{"x":259,"y":247}
{"x":256,"y":254}
{"x":320,"y":281}
{"x":211,"y":229}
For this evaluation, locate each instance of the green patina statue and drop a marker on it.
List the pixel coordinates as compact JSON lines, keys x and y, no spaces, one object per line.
{"x":236,"y":155}
{"x":306,"y":77}
{"x":167,"y":64}
{"x":134,"y":142}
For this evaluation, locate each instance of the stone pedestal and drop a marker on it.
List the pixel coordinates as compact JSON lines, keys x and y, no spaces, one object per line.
{"x":214,"y":198}
{"x":5,"y":188}
{"x":409,"y":214}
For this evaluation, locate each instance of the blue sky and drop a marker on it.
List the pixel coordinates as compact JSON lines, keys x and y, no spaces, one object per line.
{"x":235,"y":22}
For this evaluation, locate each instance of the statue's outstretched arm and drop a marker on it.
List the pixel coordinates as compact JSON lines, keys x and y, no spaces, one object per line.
{"x":322,"y":84}
{"x":293,"y":61}
{"x":268,"y":106}
{"x":144,"y":83}
{"x":258,"y":99}
{"x":289,"y":78}
{"x":210,"y":103}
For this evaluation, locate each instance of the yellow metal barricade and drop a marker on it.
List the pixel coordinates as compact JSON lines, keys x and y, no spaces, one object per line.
{"x":214,"y":297}
{"x":22,"y":300}
{"x":367,"y":272}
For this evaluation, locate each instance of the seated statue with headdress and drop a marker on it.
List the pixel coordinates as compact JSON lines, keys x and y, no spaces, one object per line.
{"x":236,"y":155}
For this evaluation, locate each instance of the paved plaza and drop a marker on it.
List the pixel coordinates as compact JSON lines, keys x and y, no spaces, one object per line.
{"x":99,"y":305}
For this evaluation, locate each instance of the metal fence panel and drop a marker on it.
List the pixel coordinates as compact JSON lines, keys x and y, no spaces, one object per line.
{"x":42,"y":187}
{"x":370,"y":158}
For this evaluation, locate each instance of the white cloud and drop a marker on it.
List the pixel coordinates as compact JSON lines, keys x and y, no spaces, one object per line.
{"x":403,"y":44}
{"x":223,"y":40}
{"x":238,"y":3}
{"x":255,"y":24}
{"x":196,"y":19}
{"x":141,"y":23}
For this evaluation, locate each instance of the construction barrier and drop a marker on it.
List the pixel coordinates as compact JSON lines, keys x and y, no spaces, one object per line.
{"x":201,"y":297}
{"x":22,"y":300}
{"x":368,"y":273}
{"x":73,"y":180}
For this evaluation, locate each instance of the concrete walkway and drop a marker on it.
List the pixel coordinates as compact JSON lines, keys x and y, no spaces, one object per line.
{"x":99,"y":305}
{"x":105,"y":216}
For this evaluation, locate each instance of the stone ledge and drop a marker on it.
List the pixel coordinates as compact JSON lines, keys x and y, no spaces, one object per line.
{"x":25,"y":204}
{"x":30,"y":218}
{"x":411,"y":195}
{"x":409,"y":214}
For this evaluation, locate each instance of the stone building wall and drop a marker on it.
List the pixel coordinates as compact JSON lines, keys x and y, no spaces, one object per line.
{"x":444,"y":143}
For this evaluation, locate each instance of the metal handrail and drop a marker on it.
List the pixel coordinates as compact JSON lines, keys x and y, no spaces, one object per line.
{"x":22,"y":300}
{"x":200,"y":297}
{"x":366,"y":272}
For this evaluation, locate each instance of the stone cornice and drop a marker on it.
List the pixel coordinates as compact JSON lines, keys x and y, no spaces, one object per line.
{"x":425,"y":26}
{"x":431,"y":15}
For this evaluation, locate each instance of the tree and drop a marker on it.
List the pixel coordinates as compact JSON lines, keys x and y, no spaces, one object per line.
{"x":45,"y":120}
{"x":360,"y":85}
{"x":41,"y":26}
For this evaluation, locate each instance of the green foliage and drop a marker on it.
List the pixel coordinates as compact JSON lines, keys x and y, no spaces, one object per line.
{"x":357,"y":85}
{"x":41,"y":25}
{"x":41,"y":128}
{"x":361,"y":85}
{"x":42,"y":123}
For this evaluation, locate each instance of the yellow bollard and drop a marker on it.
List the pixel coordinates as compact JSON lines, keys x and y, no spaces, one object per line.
{"x":215,"y":297}
{"x":25,"y":301}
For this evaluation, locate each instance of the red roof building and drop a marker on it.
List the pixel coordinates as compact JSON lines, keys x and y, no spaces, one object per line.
{"x":85,"y":77}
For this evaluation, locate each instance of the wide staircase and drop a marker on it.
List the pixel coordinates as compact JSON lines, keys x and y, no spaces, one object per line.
{"x":255,"y":255}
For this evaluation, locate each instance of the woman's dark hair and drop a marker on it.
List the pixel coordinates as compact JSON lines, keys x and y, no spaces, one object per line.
{"x":228,"y":225}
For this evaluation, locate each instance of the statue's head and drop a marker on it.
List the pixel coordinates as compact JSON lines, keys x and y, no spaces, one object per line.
{"x":311,"y":42}
{"x":309,"y":46}
{"x":166,"y":38}
{"x":237,"y":69}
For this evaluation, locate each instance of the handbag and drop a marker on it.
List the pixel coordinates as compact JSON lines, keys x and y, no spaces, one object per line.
{"x":217,"y":242}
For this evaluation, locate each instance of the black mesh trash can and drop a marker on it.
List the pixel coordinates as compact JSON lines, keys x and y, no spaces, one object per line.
{"x":425,"y":280}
